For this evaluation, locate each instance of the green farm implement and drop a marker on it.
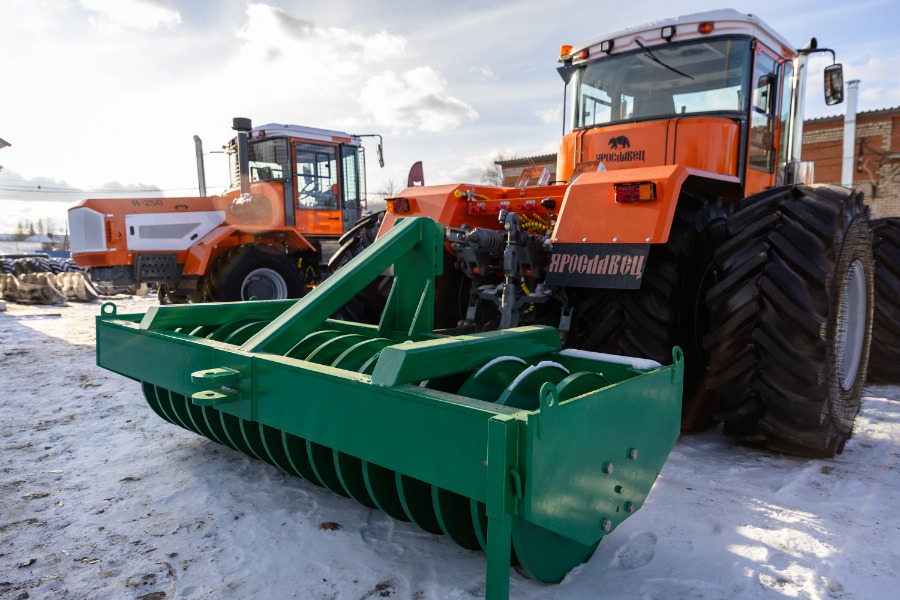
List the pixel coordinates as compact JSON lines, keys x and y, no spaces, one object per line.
{"x":500,"y":440}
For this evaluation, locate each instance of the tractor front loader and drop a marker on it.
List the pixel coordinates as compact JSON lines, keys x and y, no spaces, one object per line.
{"x":501,"y":440}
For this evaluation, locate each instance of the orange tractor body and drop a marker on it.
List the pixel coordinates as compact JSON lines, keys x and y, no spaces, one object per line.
{"x":297,"y":188}
{"x":680,"y":217}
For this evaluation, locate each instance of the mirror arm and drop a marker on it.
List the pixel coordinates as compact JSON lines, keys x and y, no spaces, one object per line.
{"x":817,"y":50}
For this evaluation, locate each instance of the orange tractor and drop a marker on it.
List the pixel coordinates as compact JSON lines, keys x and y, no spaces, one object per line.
{"x":293,"y":189}
{"x":680,"y":218}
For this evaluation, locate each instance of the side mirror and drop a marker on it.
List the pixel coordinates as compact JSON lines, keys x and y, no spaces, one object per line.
{"x":380,"y":154}
{"x":834,"y":84}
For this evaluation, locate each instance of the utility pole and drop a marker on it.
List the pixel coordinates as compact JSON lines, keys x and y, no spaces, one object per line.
{"x":3,"y":144}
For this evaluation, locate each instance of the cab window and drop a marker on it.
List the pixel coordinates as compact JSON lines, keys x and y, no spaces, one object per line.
{"x":317,"y":177}
{"x":763,"y":113}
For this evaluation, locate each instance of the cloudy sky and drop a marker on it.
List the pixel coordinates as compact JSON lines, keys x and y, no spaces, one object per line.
{"x":100,"y":95}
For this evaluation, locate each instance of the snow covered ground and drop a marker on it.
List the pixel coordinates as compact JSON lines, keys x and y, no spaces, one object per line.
{"x":99,"y":498}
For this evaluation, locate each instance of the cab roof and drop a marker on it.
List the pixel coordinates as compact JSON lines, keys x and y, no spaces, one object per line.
{"x":725,"y":22}
{"x":303,"y":132}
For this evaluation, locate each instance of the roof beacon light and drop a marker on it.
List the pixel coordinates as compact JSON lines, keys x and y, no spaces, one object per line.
{"x":705,"y":27}
{"x":635,"y":192}
{"x":607,"y":46}
{"x":565,"y":51}
{"x":668,"y":32}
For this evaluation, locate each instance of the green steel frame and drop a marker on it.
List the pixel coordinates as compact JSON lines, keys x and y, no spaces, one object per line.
{"x":520,"y":447}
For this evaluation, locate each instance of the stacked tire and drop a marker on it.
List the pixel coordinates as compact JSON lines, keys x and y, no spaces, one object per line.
{"x":884,"y":365}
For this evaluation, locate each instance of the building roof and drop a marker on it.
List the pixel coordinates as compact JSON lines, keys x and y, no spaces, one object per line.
{"x":526,"y":160}
{"x":878,"y":112}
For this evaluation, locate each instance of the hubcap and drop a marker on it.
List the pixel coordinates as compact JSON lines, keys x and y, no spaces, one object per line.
{"x":851,"y":326}
{"x":264,"y":284}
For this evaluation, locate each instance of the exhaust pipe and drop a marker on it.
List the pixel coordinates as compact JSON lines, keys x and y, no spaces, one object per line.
{"x":243,"y":127}
{"x":849,"y":134}
{"x":201,"y":172}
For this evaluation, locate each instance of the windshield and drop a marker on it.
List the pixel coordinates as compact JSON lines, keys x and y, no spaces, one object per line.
{"x":699,"y":76}
{"x":269,"y":161}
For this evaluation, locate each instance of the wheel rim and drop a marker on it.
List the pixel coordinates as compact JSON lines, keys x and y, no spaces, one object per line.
{"x":264,"y":284}
{"x":851,"y":324}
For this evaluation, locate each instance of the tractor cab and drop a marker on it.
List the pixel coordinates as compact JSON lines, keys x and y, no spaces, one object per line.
{"x":717,"y":91}
{"x":316,"y":177}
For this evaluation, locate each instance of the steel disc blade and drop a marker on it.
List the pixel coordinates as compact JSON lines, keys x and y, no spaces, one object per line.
{"x":322,"y":460}
{"x":415,"y":498}
{"x":253,"y":439}
{"x":454,"y":516}
{"x":298,"y":457}
{"x":201,"y":331}
{"x":369,"y":366}
{"x":244,"y":333}
{"x":180,"y":410}
{"x":354,"y":357}
{"x":271,"y":440}
{"x":223,"y":331}
{"x":578,"y":384}
{"x":488,"y":382}
{"x":197,"y":418}
{"x":480,"y":523}
{"x":478,"y":512}
{"x":350,"y":472}
{"x":524,"y":391}
{"x":547,"y":556}
{"x":381,"y":484}
{"x":231,"y":425}
{"x":150,"y":395}
{"x":214,"y":424}
{"x":310,"y":342}
{"x":328,"y":352}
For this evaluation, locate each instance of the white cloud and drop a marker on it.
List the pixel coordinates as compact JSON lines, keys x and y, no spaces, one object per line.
{"x":483,"y":73}
{"x":137,"y":14}
{"x":472,"y":168}
{"x":271,"y":35}
{"x":550,"y":116}
{"x":415,"y":100}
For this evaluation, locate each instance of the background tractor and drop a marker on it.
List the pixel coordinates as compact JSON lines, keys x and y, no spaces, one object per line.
{"x":293,"y":189}
{"x":681,"y":218}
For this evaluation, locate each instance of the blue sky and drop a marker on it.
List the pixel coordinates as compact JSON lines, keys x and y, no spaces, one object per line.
{"x":107,"y":94}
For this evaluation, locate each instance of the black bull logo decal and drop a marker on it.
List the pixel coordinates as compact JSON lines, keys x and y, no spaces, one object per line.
{"x":619,"y":142}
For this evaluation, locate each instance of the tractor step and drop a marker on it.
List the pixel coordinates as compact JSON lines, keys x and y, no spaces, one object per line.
{"x":502,"y":441}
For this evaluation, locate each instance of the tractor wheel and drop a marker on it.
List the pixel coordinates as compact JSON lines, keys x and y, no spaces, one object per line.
{"x":367,"y":306}
{"x":668,"y":309}
{"x":884,"y":364}
{"x":255,"y":272}
{"x":793,"y":317}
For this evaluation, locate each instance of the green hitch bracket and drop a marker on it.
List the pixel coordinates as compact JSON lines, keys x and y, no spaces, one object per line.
{"x":224,"y":395}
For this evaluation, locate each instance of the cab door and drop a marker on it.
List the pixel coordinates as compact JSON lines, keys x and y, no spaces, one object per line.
{"x":317,"y":191}
{"x":763,"y":142}
{"x":351,"y":188}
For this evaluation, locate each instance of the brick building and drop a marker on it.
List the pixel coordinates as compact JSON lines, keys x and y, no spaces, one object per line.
{"x":513,"y":167}
{"x":877,"y":157}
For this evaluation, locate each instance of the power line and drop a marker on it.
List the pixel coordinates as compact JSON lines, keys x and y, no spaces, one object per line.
{"x":41,"y":189}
